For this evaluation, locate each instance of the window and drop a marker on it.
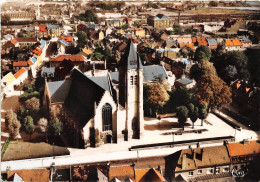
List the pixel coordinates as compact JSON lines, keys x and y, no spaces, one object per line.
{"x":190,"y":173}
{"x":136,"y":80}
{"x":217,"y":170}
{"x":199,"y":171}
{"x":226,"y":169}
{"x":210,"y":171}
{"x":107,"y":117}
{"x":131,"y":80}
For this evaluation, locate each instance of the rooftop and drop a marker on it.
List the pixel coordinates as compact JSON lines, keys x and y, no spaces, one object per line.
{"x":19,"y":73}
{"x":68,"y":57}
{"x":237,"y":149}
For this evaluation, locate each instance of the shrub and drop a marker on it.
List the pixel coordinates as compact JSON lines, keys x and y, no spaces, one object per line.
{"x":27,"y":96}
{"x":28,"y":125}
{"x":32,"y":104}
{"x":28,"y":88}
{"x":43,"y":124}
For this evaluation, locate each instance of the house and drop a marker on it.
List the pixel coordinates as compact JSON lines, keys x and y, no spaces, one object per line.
{"x":187,"y":45}
{"x":20,"y":76}
{"x":7,"y":83}
{"x":212,"y":44}
{"x":48,"y":73}
{"x":199,"y":41}
{"x":140,"y":33}
{"x":159,"y":21}
{"x":41,"y":31}
{"x":62,"y":44}
{"x":184,"y":39}
{"x":23,"y":42}
{"x":76,"y":59}
{"x":242,"y":153}
{"x":113,"y":22}
{"x":128,"y":21}
{"x":197,"y":164}
{"x":184,"y":82}
{"x":86,"y":52}
{"x":20,"y":64}
{"x":233,"y":44}
{"x":53,"y":31}
{"x":63,"y":70}
{"x":92,"y":107}
{"x":245,"y":41}
{"x":36,"y":175}
{"x":171,"y":44}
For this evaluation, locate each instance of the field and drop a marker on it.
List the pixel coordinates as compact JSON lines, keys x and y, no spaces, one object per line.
{"x":217,"y":11}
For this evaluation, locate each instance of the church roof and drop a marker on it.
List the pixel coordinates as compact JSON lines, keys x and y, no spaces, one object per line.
{"x":102,"y":81}
{"x":130,"y":60}
{"x":153,"y":72}
{"x":59,"y":90}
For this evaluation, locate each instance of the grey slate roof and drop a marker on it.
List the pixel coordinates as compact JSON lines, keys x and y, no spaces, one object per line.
{"x":130,"y":60}
{"x":212,"y":41}
{"x":162,"y":17}
{"x":53,"y":26}
{"x":153,"y":72}
{"x":49,"y":70}
{"x":59,"y":90}
{"x":184,"y":81}
{"x":102,"y":81}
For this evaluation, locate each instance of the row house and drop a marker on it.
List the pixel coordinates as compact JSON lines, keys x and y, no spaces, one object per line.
{"x":199,"y":41}
{"x":245,"y":41}
{"x":23,"y":42}
{"x":233,"y":44}
{"x":212,"y":44}
{"x":76,"y":59}
{"x":40,"y":30}
{"x":221,"y":163}
{"x":20,"y":15}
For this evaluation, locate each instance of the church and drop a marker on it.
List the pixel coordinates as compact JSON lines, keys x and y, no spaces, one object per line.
{"x":102,"y":109}
{"x":90,"y":104}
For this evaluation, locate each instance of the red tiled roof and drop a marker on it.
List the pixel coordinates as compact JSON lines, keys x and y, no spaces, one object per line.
{"x":238,"y":149}
{"x":24,"y":39}
{"x":66,"y":38}
{"x":121,"y":172}
{"x":30,"y":62}
{"x":236,"y":42}
{"x":229,"y":43}
{"x":68,"y":57}
{"x":37,"y":51}
{"x":127,"y":19}
{"x":19,"y":73}
{"x":42,"y":28}
{"x":20,"y":64}
{"x":36,"y":175}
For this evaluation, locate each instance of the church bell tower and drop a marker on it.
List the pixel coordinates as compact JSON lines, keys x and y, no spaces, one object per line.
{"x":131,"y":91}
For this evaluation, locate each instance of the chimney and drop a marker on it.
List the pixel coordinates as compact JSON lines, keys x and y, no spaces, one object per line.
{"x":133,"y":165}
{"x":202,"y":151}
{"x":184,"y":161}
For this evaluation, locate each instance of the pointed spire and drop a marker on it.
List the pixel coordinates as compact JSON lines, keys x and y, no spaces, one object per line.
{"x":131,"y":60}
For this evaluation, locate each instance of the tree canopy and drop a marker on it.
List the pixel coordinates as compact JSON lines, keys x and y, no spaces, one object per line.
{"x":28,"y":125}
{"x":82,"y":39}
{"x":88,"y":16}
{"x":196,"y":72}
{"x":182,"y":115}
{"x":213,"y":90}
{"x":55,"y":127}
{"x":202,"y":53}
{"x":194,"y":115}
{"x":158,"y":94}
{"x":12,"y":124}
{"x":32,"y":104}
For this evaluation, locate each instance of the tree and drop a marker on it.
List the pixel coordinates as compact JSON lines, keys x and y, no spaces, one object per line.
{"x":213,"y":3}
{"x":158,"y":94}
{"x":208,"y":67}
{"x":213,"y":90}
{"x":182,"y":115}
{"x":12,"y":124}
{"x":55,"y":127}
{"x":202,"y":112}
{"x":32,"y":104}
{"x":202,"y":53}
{"x":28,"y":125}
{"x":190,"y":108}
{"x":82,"y":39}
{"x":176,"y":29}
{"x":89,"y":16}
{"x":125,"y":26}
{"x":43,"y":125}
{"x":117,"y":56}
{"x":196,"y":72}
{"x":28,"y":88}
{"x":6,"y":19}
{"x":180,"y":97}
{"x":194,"y":115}
{"x":228,"y":74}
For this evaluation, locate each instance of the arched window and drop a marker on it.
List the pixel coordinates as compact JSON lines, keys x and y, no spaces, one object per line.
{"x":107,"y":117}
